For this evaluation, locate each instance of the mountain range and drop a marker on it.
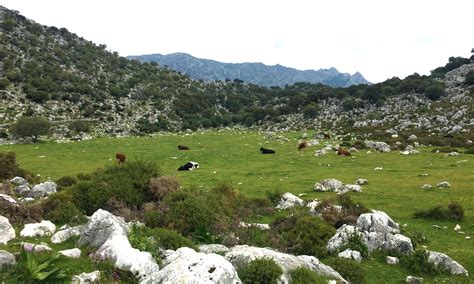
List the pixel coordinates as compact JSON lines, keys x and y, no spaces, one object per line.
{"x":256,"y":73}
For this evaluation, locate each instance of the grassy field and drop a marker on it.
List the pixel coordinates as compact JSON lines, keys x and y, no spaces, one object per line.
{"x":233,"y":156}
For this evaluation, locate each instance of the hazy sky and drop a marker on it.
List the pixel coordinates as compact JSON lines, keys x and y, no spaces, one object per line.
{"x":379,"y":38}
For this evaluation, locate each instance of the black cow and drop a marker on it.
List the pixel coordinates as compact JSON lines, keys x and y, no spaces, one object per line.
{"x":189,"y":166}
{"x":267,"y":151}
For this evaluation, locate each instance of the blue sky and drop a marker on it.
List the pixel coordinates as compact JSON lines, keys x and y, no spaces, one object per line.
{"x":379,"y":38}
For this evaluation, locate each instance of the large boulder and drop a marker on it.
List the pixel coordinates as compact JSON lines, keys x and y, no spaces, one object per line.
{"x":18,"y":181}
{"x":6,"y":231}
{"x":44,"y":228}
{"x":377,"y":221}
{"x":6,"y":259}
{"x":328,"y":185}
{"x":188,"y":266}
{"x":442,"y":260}
{"x":43,"y":189}
{"x":109,"y":233}
{"x":350,"y":254}
{"x":241,"y":255}
{"x":22,"y":186}
{"x":65,"y":234}
{"x":379,"y":146}
{"x":289,"y":200}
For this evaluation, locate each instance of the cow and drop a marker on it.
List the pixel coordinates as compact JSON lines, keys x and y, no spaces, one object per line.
{"x":343,"y":152}
{"x":120,"y":158}
{"x":189,"y":166}
{"x":183,"y":147}
{"x":302,"y":145}
{"x":266,"y":151}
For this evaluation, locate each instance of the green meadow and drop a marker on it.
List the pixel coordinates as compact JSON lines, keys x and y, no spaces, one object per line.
{"x":234,"y":157}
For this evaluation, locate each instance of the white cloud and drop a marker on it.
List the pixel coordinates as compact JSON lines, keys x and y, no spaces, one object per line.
{"x":381,"y":39}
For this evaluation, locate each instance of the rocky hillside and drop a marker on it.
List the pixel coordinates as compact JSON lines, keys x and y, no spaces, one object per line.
{"x":53,"y":73}
{"x":255,"y":73}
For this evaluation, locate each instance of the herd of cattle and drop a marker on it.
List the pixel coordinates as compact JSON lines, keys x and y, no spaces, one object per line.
{"x":189,"y":166}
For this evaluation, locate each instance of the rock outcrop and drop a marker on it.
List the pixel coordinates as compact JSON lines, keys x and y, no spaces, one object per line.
{"x":289,"y":200}
{"x":44,"y":228}
{"x":7,"y":232}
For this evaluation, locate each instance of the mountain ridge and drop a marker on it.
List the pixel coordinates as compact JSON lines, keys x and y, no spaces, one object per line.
{"x":253,"y":72}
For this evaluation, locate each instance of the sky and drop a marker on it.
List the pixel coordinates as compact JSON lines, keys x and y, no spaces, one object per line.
{"x":379,"y":38}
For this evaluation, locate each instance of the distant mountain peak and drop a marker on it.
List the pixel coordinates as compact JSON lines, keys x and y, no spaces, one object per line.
{"x":256,"y":73}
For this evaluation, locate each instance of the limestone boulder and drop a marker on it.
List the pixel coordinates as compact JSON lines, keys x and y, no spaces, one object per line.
{"x":71,"y":253}
{"x":6,"y":259}
{"x":43,"y":189}
{"x":44,"y":228}
{"x":350,"y":254}
{"x":289,"y":200}
{"x":66,"y":233}
{"x":213,"y":248}
{"x":361,"y":181}
{"x":328,"y":185}
{"x":444,"y":261}
{"x":7,"y":232}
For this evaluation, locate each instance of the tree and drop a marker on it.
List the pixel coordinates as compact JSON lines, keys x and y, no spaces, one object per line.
{"x":311,"y":111}
{"x":30,"y":127}
{"x":469,"y":78}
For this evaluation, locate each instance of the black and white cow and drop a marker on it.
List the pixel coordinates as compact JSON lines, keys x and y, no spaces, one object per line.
{"x":189,"y":166}
{"x":266,"y":151}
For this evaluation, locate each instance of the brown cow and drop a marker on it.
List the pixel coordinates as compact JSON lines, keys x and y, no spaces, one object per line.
{"x":343,"y":152}
{"x":120,"y":158}
{"x":302,"y":145}
{"x":183,"y":147}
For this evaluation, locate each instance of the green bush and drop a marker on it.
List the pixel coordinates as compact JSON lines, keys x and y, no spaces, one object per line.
{"x":31,"y":127}
{"x":447,"y":149}
{"x":355,"y":243}
{"x":303,"y":275}
{"x":469,"y":80}
{"x":454,"y":211}
{"x":9,"y":168}
{"x":161,"y":186}
{"x":350,"y":270}
{"x":65,"y":181}
{"x":127,"y":183}
{"x":417,"y":262}
{"x":469,"y":151}
{"x":79,"y":126}
{"x":304,"y":234}
{"x":260,"y":271}
{"x":417,"y":237}
{"x":274,"y":196}
{"x":59,"y":208}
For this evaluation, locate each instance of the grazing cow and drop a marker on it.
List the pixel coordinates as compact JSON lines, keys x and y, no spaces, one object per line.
{"x":266,"y":151}
{"x":189,"y":166}
{"x":343,"y":152}
{"x":183,"y":147}
{"x":120,"y":158}
{"x":302,"y":145}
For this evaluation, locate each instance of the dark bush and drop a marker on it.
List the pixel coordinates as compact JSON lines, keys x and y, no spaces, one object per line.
{"x":260,"y":271}
{"x":31,"y":127}
{"x":274,"y":196}
{"x":444,"y":150}
{"x":469,"y":80}
{"x":161,"y":186}
{"x":417,"y":237}
{"x":349,"y":213}
{"x":359,"y":145}
{"x":65,"y":181}
{"x":453,"y":212}
{"x":350,"y":270}
{"x":355,"y":243}
{"x":79,"y":126}
{"x":9,"y":168}
{"x":417,"y":262}
{"x":303,"y":275}
{"x":469,"y":151}
{"x":59,"y":208}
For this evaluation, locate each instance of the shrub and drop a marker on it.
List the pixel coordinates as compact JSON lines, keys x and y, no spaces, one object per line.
{"x":304,"y":234}
{"x":434,"y":91}
{"x":417,"y":238}
{"x":447,"y":149}
{"x":274,"y":196}
{"x":350,"y":270}
{"x":79,"y":126}
{"x":260,"y":271}
{"x":303,"y":275}
{"x":355,"y":243}
{"x":9,"y":168}
{"x":60,"y":209}
{"x":310,"y":111}
{"x":161,"y":186}
{"x":469,"y":151}
{"x":349,"y":213}
{"x":453,"y":212}
{"x":469,"y":80}
{"x":65,"y":181}
{"x":31,"y":127}
{"x":417,"y":262}
{"x":30,"y":269}
{"x":359,"y":145}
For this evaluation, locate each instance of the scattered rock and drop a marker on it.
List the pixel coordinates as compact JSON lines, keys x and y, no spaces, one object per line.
{"x":378,"y":168}
{"x":254,"y":225}
{"x":392,"y":260}
{"x":213,"y":248}
{"x":72,"y":253}
{"x":442,"y":260}
{"x":43,"y":189}
{"x":426,"y":186}
{"x":35,"y":247}
{"x":353,"y":150}
{"x":6,"y":259}
{"x":351,"y":187}
{"x":443,"y":184}
{"x":361,"y":181}
{"x":328,"y":185}
{"x":312,"y":205}
{"x":351,"y":254}
{"x":18,"y":181}
{"x":414,"y":280}
{"x":412,"y":137}
{"x":453,"y":154}
{"x":424,"y":175}
{"x":66,"y":233}
{"x":187,"y":266}
{"x":436,"y":227}
{"x":457,"y":227}
{"x":86,"y":278}
{"x":7,"y":232}
{"x":44,"y":228}
{"x":289,"y":200}
{"x":379,"y":146}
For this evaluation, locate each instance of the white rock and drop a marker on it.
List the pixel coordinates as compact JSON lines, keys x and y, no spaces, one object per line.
{"x":72,"y":253}
{"x":442,"y":260}
{"x":353,"y":150}
{"x":392,"y":260}
{"x":453,"y":154}
{"x":18,"y":181}
{"x":8,"y":199}
{"x":44,"y":228}
{"x":43,"y":189}
{"x":66,"y":233}
{"x":213,"y":248}
{"x":6,"y":259}
{"x":351,"y":254}
{"x":289,"y":200}
{"x":414,"y":280}
{"x":35,"y":247}
{"x":379,"y":146}
{"x":254,"y":225}
{"x":86,"y":278}
{"x":457,"y":227}
{"x":7,"y":232}
{"x":443,"y":184}
{"x":241,"y":255}
{"x":412,"y":137}
{"x":328,"y":185}
{"x":312,"y":205}
{"x":187,"y":266}
{"x":361,"y":181}
{"x":426,"y":186}
{"x":377,"y":221}
{"x":351,"y":187}
{"x":378,"y":168}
